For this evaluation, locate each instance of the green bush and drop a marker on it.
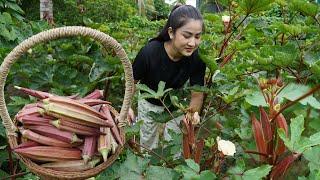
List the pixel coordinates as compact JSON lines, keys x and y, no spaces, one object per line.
{"x":68,"y":12}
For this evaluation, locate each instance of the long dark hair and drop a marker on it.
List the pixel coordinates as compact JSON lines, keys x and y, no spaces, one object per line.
{"x":179,"y":16}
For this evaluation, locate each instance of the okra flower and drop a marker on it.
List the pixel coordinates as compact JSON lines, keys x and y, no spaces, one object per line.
{"x":226,"y":147}
{"x":225,"y":19}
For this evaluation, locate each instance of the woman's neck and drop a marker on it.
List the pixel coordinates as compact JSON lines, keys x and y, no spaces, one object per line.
{"x":173,"y":54}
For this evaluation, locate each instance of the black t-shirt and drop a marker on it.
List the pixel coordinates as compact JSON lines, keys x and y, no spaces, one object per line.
{"x":152,"y":65}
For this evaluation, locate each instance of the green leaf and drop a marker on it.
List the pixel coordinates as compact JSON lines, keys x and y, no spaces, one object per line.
{"x":133,"y":167}
{"x":298,"y":143}
{"x":284,"y":55}
{"x":18,"y":101}
{"x":161,"y":173}
{"x":14,"y":6}
{"x":112,"y":172}
{"x":286,"y":140}
{"x":312,"y":155}
{"x":296,"y":128}
{"x":187,"y":172}
{"x":164,"y":116}
{"x":210,"y":61}
{"x":4,"y":32}
{"x":239,"y":168}
{"x":193,"y":165}
{"x":257,"y":173}
{"x":256,"y":99}
{"x":5,"y":18}
{"x":207,"y":175}
{"x":149,"y":93}
{"x":252,"y":6}
{"x":315,"y":68}
{"x":3,"y":174}
{"x":2,"y":130}
{"x":3,"y":156}
{"x":306,"y":143}
{"x":305,"y":7}
{"x":294,"y":91}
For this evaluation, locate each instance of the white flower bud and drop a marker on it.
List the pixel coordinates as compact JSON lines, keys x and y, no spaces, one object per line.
{"x":226,"y":147}
{"x":225,"y":19}
{"x":196,"y":118}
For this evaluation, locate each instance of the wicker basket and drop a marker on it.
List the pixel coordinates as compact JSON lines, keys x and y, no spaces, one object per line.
{"x":10,"y":125}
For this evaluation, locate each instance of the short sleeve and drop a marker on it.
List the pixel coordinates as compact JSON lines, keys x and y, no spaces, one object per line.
{"x":139,"y":65}
{"x":197,"y":72}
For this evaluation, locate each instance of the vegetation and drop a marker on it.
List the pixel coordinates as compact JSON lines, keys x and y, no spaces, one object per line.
{"x":262,"y":66}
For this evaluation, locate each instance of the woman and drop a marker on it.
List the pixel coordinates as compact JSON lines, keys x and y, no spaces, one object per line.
{"x":171,"y":57}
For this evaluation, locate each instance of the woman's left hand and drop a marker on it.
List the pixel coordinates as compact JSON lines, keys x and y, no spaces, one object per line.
{"x":193,"y":117}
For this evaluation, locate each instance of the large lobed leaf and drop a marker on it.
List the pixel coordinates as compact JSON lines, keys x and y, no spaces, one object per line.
{"x":160,"y":173}
{"x":133,"y":167}
{"x":257,"y":173}
{"x":253,"y":6}
{"x":294,"y":91}
{"x":297,"y":143}
{"x":290,"y":92}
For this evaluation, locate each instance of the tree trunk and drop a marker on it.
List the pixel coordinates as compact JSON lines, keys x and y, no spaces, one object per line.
{"x":46,"y":10}
{"x":142,"y":8}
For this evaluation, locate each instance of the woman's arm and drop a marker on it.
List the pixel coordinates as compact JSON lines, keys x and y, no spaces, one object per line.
{"x":196,"y":101}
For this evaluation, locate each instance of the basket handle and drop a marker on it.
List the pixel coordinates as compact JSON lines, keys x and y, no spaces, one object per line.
{"x":104,"y":39}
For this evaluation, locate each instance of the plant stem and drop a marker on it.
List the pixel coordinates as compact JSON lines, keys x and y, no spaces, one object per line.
{"x":227,"y":40}
{"x":16,"y":175}
{"x":167,"y":109}
{"x":255,"y":152}
{"x":294,"y":74}
{"x":295,"y":101}
{"x":156,"y":154}
{"x":12,"y":172}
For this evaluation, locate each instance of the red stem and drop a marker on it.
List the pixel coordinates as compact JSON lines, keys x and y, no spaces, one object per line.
{"x":12,"y":172}
{"x":255,"y":152}
{"x":227,"y":40}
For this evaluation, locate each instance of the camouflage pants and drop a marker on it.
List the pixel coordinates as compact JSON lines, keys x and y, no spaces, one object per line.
{"x":151,"y":131}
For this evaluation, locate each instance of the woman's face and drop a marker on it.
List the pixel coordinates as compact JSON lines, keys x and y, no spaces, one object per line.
{"x":187,"y":38}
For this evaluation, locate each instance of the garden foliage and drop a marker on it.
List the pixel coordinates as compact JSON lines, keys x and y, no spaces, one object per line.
{"x":275,"y":41}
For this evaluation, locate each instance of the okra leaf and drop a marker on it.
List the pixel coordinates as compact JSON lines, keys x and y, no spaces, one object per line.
{"x":111,"y":172}
{"x":256,"y":99}
{"x":239,"y":168}
{"x":248,"y":6}
{"x":145,"y":88}
{"x":293,"y":91}
{"x":306,"y":143}
{"x":133,"y":167}
{"x":312,"y":155}
{"x":3,"y":174}
{"x":149,"y":93}
{"x":207,"y":175}
{"x":257,"y":173}
{"x":161,"y":173}
{"x":296,"y":128}
{"x":296,"y":142}
{"x":193,"y":165}
{"x":187,"y":172}
{"x":2,"y":130}
{"x":190,"y":170}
